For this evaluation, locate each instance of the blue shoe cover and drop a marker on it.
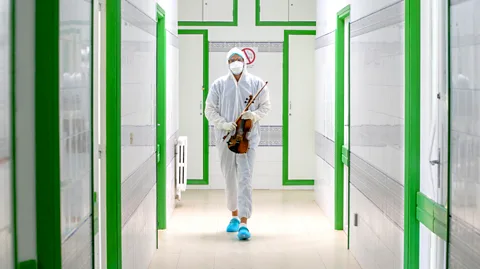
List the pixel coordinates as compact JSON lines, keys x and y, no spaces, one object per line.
{"x":243,"y":233}
{"x":233,"y":225}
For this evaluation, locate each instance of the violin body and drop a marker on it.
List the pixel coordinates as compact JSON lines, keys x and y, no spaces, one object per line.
{"x":238,"y":142}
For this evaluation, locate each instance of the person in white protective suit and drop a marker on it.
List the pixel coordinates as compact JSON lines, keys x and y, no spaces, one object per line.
{"x":226,"y":100}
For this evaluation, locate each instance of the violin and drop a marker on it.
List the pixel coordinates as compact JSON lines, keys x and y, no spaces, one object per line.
{"x":238,"y":142}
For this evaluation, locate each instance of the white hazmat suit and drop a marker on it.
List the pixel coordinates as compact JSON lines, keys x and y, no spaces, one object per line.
{"x":225,"y":102}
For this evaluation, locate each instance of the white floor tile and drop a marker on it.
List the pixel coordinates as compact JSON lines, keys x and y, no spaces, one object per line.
{"x":288,"y":231}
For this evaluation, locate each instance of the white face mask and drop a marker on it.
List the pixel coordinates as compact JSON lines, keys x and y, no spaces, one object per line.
{"x":236,"y":67}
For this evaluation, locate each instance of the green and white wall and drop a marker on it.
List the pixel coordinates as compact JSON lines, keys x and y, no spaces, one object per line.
{"x":282,"y":35}
{"x":64,"y":206}
{"x":409,"y":112}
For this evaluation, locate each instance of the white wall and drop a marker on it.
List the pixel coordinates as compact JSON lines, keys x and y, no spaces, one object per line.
{"x":268,"y":66}
{"x":138,"y":241}
{"x":377,"y":242}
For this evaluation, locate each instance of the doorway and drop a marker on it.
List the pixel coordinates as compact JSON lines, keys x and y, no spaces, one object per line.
{"x":342,"y":121}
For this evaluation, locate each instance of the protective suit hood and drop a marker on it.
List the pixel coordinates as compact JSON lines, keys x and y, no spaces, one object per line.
{"x":240,"y":53}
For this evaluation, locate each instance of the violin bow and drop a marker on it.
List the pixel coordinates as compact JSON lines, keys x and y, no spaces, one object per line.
{"x":248,"y":105}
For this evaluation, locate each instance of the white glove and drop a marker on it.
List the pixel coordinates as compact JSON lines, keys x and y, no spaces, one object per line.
{"x":229,"y":126}
{"x":249,"y":115}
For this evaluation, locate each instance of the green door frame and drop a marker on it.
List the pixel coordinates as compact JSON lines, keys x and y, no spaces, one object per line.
{"x":13,"y":133}
{"x":340,"y":117}
{"x":47,"y":137}
{"x":286,"y":181}
{"x":412,"y":134}
{"x":113,"y":131}
{"x":161,"y":64}
{"x":206,"y":131}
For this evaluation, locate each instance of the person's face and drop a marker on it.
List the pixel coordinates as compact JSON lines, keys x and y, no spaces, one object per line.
{"x":235,"y":58}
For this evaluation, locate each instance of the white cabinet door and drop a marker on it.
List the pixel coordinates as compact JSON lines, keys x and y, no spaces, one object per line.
{"x":190,"y":10}
{"x":274,"y":10}
{"x":302,"y":10}
{"x":301,"y":148}
{"x":218,"y":10}
{"x":191,"y":100}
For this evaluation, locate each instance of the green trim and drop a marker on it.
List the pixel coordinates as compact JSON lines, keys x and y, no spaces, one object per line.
{"x":234,"y":21}
{"x":425,"y":218}
{"x":285,"y":118}
{"x":432,"y":208}
{"x":259,"y":22}
{"x":339,"y":117}
{"x":449,"y":105}
{"x":197,"y":182}
{"x":343,"y":13}
{"x":13,"y":126}
{"x":299,"y":182}
{"x":412,"y":133}
{"x":206,"y":131}
{"x":345,"y":155}
{"x":47,"y":135}
{"x":95,"y":215}
{"x":30,"y":264}
{"x":432,"y":215}
{"x":161,"y":65}
{"x":113,"y":143}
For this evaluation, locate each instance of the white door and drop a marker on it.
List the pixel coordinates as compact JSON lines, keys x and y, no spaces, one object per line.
{"x":99,"y":129}
{"x":346,"y":133}
{"x":301,"y":141}
{"x":191,"y":100}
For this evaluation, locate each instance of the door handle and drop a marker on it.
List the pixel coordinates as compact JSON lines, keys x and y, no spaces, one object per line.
{"x":437,"y":162}
{"x":201,"y":108}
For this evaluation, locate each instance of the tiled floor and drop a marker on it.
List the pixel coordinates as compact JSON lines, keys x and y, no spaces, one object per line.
{"x":288,"y":231}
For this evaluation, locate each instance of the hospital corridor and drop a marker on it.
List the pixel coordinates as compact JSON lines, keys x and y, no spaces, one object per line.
{"x":239,"y":134}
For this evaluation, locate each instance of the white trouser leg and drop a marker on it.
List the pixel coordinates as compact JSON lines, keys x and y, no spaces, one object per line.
{"x":229,"y":171}
{"x":245,"y":171}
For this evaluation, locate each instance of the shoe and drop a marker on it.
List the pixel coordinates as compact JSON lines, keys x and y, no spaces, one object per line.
{"x":243,"y":233}
{"x":233,"y":225}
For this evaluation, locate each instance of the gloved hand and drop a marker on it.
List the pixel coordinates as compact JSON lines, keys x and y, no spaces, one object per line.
{"x":249,"y":115}
{"x":229,"y":126}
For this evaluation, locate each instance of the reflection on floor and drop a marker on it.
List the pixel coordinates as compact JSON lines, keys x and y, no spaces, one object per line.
{"x":288,"y":231}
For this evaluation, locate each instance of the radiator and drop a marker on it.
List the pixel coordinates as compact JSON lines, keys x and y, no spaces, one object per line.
{"x":181,"y":166}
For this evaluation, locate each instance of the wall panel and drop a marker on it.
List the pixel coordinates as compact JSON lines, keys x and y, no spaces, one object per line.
{"x":138,"y":133}
{"x":6,"y":171}
{"x":464,"y":135}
